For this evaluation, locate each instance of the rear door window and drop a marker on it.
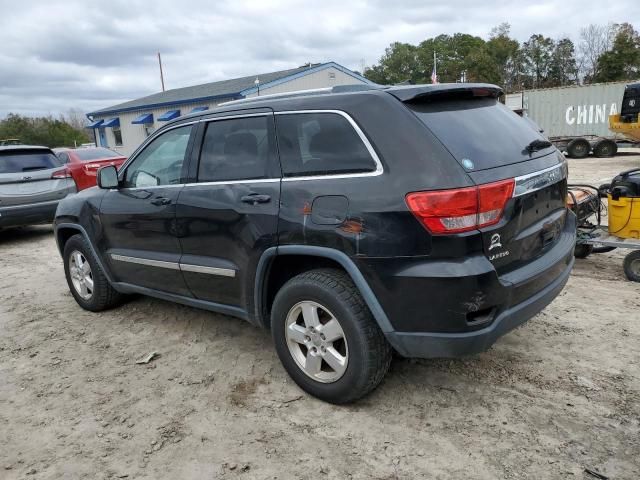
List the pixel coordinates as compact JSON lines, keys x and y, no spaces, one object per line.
{"x":238,"y":149}
{"x":320,"y":144}
{"x":28,"y":161}
{"x":480,"y":133}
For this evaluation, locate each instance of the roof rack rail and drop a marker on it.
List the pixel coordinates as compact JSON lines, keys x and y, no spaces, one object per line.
{"x":302,"y":93}
{"x":299,"y":93}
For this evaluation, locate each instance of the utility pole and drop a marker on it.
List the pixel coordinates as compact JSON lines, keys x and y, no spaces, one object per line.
{"x":161,"y":75}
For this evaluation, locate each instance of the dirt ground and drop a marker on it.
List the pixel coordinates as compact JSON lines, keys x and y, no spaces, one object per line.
{"x":557,"y":396}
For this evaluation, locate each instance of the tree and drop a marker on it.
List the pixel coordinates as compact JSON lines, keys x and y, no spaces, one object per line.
{"x":398,"y":64}
{"x":594,"y":41}
{"x":622,"y":62}
{"x":563,"y":69}
{"x":45,"y":131}
{"x":536,"y":54}
{"x":506,"y":58}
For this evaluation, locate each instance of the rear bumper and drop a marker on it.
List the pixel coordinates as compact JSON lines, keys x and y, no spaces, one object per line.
{"x":449,"y":308}
{"x":432,"y":345}
{"x":31,"y":214}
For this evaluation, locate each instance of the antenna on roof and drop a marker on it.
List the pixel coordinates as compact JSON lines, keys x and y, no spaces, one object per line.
{"x":161,"y":76}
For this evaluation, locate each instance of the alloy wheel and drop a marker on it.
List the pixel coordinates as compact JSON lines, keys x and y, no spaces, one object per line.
{"x":81,"y":276}
{"x":316,"y":341}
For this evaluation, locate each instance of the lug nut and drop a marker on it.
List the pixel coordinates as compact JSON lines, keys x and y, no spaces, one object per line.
{"x":323,"y":348}
{"x":314,"y":350}
{"x":307,"y":339}
{"x":322,"y":336}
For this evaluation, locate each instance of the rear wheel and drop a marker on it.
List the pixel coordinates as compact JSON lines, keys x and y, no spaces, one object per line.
{"x":578,"y":148}
{"x":87,"y":282}
{"x":326,"y":337}
{"x":631,"y":266}
{"x":605,"y":148}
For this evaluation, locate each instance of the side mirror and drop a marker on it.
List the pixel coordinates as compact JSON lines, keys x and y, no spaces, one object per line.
{"x":108,"y":177}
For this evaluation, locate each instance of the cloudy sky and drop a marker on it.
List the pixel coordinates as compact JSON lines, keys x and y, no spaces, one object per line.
{"x":62,"y":54}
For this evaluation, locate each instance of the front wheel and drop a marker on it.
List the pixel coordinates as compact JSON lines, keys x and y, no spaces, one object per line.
{"x":631,"y":266}
{"x":87,"y":282}
{"x":326,"y":337}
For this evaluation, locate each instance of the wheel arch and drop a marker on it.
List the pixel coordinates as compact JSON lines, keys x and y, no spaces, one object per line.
{"x":325,"y":257}
{"x":64,"y":231}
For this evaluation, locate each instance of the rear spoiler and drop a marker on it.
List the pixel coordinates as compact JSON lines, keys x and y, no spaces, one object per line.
{"x":442,"y":91}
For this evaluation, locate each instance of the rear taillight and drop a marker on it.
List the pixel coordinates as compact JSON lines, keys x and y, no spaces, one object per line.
{"x":59,"y":174}
{"x":461,"y":209}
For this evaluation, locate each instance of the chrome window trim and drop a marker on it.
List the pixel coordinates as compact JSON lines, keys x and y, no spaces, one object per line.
{"x":152,"y":187}
{"x":145,"y":261}
{"x":224,"y":272}
{"x":532,"y":182}
{"x":379,"y":170}
{"x":233,"y":182}
{"x":232,"y":117}
{"x":184,"y":267}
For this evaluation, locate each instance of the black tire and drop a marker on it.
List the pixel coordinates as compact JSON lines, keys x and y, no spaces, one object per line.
{"x":369,"y":354}
{"x":605,"y":149}
{"x":582,"y":250}
{"x":103,"y":295}
{"x":631,"y":266}
{"x":602,"y":249}
{"x":578,"y":148}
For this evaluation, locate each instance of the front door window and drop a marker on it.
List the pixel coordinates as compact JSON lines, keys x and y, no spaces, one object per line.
{"x":160,"y":163}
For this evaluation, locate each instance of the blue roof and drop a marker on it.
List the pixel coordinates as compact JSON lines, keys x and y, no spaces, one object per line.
{"x":114,"y":122}
{"x":235,"y":88}
{"x":95,"y":124}
{"x":144,"y":118}
{"x":170,"y":115}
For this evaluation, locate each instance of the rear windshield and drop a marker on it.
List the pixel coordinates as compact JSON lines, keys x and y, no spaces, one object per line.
{"x":480,"y":133}
{"x":88,"y":154}
{"x":16,"y":162}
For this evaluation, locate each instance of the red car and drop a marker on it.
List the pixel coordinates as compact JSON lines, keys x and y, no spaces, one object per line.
{"x":83,"y":163}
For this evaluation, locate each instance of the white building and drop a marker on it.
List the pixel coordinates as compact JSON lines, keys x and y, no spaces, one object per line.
{"x":123,"y":127}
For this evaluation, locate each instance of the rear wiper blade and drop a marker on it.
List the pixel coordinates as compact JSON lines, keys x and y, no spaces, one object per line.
{"x":32,"y":169}
{"x":538,"y":145}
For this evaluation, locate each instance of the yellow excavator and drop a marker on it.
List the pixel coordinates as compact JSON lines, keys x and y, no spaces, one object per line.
{"x":626,"y":123}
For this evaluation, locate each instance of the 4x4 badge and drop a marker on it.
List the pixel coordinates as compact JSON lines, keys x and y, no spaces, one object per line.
{"x":495,"y":241}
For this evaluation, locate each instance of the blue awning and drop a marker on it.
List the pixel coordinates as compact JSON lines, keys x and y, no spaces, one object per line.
{"x":114,"y":122}
{"x":144,"y":118}
{"x":199,"y":109}
{"x":170,"y":115}
{"x":95,"y":124}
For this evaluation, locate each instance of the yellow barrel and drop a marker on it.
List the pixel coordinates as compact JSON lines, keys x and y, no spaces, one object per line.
{"x":624,"y":217}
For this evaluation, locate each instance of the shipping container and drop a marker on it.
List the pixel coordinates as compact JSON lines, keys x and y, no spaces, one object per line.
{"x":575,"y":117}
{"x":574,"y":111}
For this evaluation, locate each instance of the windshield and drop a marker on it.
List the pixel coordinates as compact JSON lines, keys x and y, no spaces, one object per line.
{"x":16,"y":162}
{"x":87,"y":154}
{"x":480,"y":133}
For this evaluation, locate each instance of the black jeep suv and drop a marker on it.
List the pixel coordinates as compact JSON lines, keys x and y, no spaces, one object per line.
{"x":351,"y":222}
